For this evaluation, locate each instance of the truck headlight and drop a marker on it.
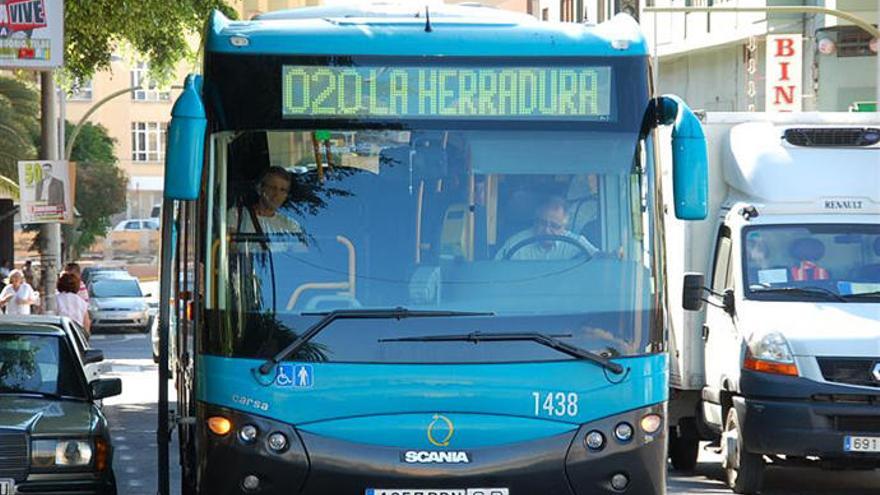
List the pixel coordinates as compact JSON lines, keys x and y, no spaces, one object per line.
{"x":770,"y":353}
{"x":60,"y":452}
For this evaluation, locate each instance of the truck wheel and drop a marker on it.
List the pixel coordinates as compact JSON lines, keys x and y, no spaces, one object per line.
{"x":743,"y":470}
{"x":683,"y":451}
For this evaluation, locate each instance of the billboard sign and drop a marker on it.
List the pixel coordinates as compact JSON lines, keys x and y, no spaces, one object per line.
{"x":31,"y":34}
{"x":784,"y":87}
{"x":46,"y":188}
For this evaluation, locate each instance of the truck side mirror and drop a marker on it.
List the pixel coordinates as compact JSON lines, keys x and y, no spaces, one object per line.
{"x":690,"y":164}
{"x":728,"y":302}
{"x":185,"y":153}
{"x":692,"y":292}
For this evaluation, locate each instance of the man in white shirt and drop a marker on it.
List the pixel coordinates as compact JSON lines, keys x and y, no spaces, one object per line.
{"x":273,"y":190}
{"x":551,"y":220}
{"x":18,"y":296}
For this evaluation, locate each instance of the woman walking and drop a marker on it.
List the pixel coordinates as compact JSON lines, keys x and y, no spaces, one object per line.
{"x":69,"y":303}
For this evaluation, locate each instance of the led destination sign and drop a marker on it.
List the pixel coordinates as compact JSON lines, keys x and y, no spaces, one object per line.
{"x":544,"y":93}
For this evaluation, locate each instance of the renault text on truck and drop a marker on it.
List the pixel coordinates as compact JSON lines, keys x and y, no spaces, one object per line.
{"x":782,"y":366}
{"x":426,"y":255}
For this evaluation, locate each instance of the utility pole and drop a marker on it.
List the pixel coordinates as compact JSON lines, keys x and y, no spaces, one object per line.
{"x":50,"y":245}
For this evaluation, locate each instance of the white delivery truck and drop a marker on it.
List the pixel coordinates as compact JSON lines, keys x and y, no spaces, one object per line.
{"x":782,"y":363}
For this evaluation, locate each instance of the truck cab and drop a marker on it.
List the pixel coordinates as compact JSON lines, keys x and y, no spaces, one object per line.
{"x":782,"y":363}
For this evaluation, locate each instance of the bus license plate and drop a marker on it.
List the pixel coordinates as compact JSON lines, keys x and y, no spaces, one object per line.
{"x":7,"y":487}
{"x":861,"y":444}
{"x":437,"y":491}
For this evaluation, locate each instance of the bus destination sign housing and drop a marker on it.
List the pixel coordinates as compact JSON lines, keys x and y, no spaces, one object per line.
{"x":469,"y":93}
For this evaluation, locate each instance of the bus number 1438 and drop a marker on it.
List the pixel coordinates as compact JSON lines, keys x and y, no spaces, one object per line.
{"x":555,"y":404}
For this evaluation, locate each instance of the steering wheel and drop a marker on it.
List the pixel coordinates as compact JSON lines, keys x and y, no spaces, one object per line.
{"x":549,"y":237}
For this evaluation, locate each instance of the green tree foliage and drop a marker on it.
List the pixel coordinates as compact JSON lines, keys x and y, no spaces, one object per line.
{"x":19,"y":126}
{"x":100,"y":187}
{"x":156,"y":29}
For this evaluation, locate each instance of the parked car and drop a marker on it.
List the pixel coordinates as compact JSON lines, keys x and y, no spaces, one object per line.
{"x":118,"y":302}
{"x":54,"y":437}
{"x":133,"y":224}
{"x":90,"y":272}
{"x":78,"y":336}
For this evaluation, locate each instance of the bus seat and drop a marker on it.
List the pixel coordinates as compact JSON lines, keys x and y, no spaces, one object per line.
{"x":453,"y":236}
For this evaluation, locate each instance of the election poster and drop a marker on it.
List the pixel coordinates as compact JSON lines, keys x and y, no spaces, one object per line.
{"x":31,"y":34}
{"x":46,"y":188}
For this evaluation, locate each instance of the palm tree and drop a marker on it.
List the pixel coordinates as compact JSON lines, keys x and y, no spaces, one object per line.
{"x":19,"y":127}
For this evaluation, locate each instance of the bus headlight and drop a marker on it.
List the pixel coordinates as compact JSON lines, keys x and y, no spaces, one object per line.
{"x":651,"y":423}
{"x":247,"y":433}
{"x":277,"y":441}
{"x":57,"y":452}
{"x":594,"y":440}
{"x":623,"y":432}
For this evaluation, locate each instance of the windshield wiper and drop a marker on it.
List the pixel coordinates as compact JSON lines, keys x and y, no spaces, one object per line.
{"x":802,"y":290}
{"x":875,"y":293}
{"x":398,"y":313}
{"x":540,"y":338}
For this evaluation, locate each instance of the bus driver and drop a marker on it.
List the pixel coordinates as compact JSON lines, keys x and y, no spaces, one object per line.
{"x":549,"y":238}
{"x":262,"y":217}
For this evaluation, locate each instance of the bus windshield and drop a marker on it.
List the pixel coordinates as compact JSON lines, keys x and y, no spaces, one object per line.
{"x":550,"y":231}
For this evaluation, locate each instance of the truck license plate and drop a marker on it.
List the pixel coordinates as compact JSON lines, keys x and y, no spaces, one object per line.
{"x":861,"y":444}
{"x":7,"y":487}
{"x":437,"y":491}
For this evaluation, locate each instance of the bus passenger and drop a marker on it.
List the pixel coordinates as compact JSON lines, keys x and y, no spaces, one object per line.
{"x":537,"y":243}
{"x":262,"y":217}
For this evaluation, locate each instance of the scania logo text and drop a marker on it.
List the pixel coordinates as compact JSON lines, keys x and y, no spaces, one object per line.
{"x":435,"y":457}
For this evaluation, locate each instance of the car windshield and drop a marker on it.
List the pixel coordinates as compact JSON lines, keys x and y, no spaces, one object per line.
{"x":110,"y":287}
{"x":38,"y":365}
{"x":812,"y":261}
{"x":550,"y":231}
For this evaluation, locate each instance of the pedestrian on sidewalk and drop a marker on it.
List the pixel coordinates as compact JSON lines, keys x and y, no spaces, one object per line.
{"x":70,"y":304}
{"x":82,"y":291}
{"x":18,"y":296}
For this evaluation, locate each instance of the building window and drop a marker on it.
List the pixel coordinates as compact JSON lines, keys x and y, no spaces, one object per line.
{"x":147,"y":141}
{"x":149,"y":89}
{"x":545,"y":14}
{"x":853,"y":41}
{"x":81,"y":91}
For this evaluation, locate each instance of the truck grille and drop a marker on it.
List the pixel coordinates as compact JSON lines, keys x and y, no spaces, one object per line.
{"x":828,"y":137}
{"x":852,"y":371}
{"x":13,"y":455}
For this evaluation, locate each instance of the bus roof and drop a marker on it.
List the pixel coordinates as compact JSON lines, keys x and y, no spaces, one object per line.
{"x":400,"y":30}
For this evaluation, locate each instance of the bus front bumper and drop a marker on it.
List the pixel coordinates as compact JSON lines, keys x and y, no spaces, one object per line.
{"x":313,"y":465}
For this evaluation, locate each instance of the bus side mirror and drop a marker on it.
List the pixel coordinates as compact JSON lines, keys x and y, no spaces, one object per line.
{"x":692,"y":291}
{"x":185,"y":153}
{"x":690,"y":164}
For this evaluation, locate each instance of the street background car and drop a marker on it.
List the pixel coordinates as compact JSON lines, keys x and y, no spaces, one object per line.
{"x":118,"y":302}
{"x":53,"y":436}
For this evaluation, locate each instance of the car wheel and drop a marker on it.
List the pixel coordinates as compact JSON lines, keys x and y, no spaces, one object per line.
{"x":743,"y":470}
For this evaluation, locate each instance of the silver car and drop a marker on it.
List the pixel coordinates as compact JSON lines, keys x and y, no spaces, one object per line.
{"x":118,"y":303}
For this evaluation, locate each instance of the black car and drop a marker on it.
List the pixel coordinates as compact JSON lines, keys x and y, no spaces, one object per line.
{"x":54,"y":438}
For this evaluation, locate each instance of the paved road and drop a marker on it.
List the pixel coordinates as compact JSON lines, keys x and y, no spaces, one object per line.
{"x":133,"y":421}
{"x":707,"y":479}
{"x":132,"y":415}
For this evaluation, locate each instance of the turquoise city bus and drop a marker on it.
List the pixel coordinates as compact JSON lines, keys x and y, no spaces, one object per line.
{"x":418,"y":251}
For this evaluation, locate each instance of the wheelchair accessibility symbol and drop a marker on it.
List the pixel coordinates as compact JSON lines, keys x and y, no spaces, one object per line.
{"x":295,"y":375}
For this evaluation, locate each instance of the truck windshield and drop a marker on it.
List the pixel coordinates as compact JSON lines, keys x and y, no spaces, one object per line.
{"x":837,"y":262}
{"x":552,"y":232}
